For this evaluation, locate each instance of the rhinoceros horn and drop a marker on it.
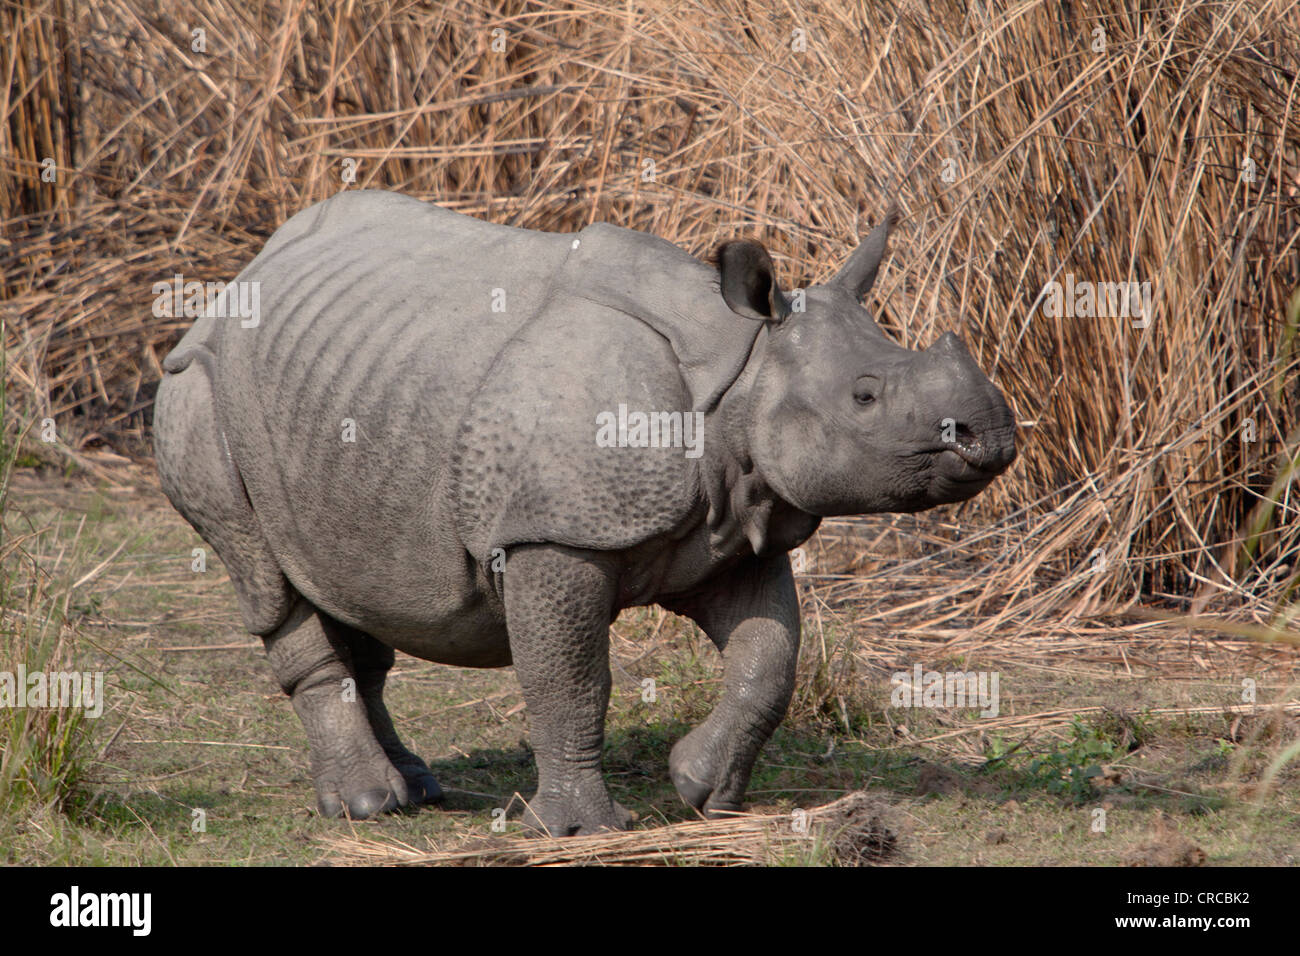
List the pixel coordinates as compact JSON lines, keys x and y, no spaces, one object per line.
{"x":858,"y":275}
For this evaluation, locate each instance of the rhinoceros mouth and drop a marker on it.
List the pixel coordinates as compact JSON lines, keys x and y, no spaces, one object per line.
{"x":965,"y":464}
{"x":973,"y":457}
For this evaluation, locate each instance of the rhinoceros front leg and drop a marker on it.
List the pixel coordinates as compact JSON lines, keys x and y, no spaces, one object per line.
{"x":311,"y":658}
{"x":752,"y":616}
{"x":559,"y":604}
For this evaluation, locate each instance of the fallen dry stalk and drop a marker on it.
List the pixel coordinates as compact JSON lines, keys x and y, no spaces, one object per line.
{"x":852,"y":830}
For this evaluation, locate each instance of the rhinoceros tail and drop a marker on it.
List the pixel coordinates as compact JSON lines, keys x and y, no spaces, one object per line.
{"x":179,"y":359}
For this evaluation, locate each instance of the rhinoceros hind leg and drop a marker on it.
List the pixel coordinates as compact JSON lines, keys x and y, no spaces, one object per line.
{"x":371,"y":661}
{"x":311,"y":657}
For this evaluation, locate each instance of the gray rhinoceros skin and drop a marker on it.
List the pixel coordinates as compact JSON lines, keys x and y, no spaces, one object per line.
{"x":402,"y":453}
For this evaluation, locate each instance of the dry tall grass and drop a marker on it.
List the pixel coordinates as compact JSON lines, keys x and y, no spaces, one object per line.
{"x":1111,"y":141}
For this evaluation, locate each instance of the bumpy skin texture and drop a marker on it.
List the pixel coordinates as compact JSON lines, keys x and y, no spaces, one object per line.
{"x":751,"y":614}
{"x":475,"y":520}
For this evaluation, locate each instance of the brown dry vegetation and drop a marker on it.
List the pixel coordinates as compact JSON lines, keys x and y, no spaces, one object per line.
{"x":1114,"y":164}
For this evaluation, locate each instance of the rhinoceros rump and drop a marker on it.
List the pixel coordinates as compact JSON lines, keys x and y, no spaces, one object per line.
{"x":402,"y":452}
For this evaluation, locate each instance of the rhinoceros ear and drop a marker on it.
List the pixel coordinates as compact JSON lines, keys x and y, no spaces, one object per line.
{"x":748,"y":281}
{"x":859,"y":274}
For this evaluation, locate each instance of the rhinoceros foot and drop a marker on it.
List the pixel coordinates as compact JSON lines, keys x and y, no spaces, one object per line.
{"x":360,"y":806}
{"x":579,"y":814}
{"x":357,"y":800}
{"x":421,"y":785}
{"x":340,"y":793}
{"x":352,"y":774}
{"x":697,"y":779}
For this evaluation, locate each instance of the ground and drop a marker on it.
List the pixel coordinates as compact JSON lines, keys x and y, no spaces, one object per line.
{"x":1114,"y":743}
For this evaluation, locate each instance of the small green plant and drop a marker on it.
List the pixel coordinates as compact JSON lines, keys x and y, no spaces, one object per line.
{"x":815,"y":850}
{"x":1069,"y":771}
{"x":997,"y":750}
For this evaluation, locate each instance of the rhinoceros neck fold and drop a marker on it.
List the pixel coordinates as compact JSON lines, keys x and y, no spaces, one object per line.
{"x":742,"y":505}
{"x":743,"y":509}
{"x":672,"y":292}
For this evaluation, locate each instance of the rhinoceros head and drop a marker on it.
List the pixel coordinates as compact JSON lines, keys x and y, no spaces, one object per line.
{"x":841,"y":420}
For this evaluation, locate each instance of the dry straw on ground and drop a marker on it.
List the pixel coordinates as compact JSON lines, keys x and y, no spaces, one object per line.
{"x":1110,"y":141}
{"x":851,"y":831}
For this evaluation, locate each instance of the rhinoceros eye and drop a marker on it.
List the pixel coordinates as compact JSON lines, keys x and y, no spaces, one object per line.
{"x":865,"y":390}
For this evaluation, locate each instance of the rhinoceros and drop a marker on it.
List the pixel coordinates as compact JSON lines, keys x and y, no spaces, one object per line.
{"x":476,"y":444}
